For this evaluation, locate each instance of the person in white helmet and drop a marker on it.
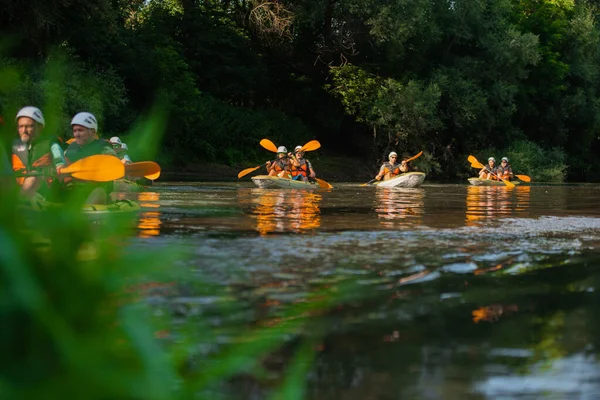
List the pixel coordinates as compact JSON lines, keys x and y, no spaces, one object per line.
{"x":35,"y":153}
{"x":301,"y":168}
{"x":504,"y":170}
{"x":85,"y":131}
{"x":280,"y":167}
{"x":489,"y":170}
{"x":121,"y":149}
{"x":391,"y":168}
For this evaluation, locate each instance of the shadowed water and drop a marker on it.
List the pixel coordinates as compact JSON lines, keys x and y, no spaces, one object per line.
{"x":464,"y":291}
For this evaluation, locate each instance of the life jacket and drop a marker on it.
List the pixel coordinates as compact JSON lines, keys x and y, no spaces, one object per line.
{"x":393,"y":170}
{"x":280,"y":165}
{"x":35,"y":156}
{"x":301,"y":169}
{"x":503,"y":173}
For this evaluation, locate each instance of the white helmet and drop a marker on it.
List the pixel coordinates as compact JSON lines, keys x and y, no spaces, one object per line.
{"x":505,"y":159}
{"x":32,"y":112}
{"x":124,"y":146}
{"x":393,"y":153}
{"x":115,"y":140}
{"x":297,"y":148}
{"x":282,"y":149}
{"x":85,"y":119}
{"x":492,"y":159}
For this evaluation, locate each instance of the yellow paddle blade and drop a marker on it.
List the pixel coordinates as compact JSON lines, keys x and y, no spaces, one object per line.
{"x":415,"y":156}
{"x":524,"y":178}
{"x":99,"y":168}
{"x":267,"y":144}
{"x":474,"y":162}
{"x":153,"y":177}
{"x":142,"y":168}
{"x":310,"y":146}
{"x":247,"y":171}
{"x":70,"y":140}
{"x":323,"y":184}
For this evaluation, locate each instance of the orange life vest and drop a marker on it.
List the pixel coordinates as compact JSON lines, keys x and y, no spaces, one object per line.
{"x":387,"y":167}
{"x":302,"y":169}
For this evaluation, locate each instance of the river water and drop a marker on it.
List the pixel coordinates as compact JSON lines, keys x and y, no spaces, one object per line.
{"x":456,"y":291}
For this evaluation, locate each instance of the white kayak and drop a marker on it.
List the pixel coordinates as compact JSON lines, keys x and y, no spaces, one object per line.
{"x":266,"y":181}
{"x":408,"y":179}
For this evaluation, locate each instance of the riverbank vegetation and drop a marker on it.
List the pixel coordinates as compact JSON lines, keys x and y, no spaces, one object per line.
{"x":361,"y":76}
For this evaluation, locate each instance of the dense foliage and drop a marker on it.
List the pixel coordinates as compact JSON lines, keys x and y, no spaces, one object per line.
{"x":450,"y":78}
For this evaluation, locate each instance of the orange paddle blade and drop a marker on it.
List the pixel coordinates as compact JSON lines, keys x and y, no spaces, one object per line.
{"x":310,"y":146}
{"x":415,"y":156}
{"x":99,"y":168}
{"x":153,"y":177}
{"x":524,"y":178}
{"x":323,"y":184}
{"x":142,"y":168}
{"x":247,"y":171}
{"x":267,"y":144}
{"x":474,"y":162}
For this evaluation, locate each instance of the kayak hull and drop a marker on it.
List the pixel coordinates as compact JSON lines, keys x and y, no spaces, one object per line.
{"x":266,"y":181}
{"x":489,"y":182}
{"x":408,"y":179}
{"x":39,"y":203}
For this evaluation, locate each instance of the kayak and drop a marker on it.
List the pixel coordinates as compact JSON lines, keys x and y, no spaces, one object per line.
{"x":39,"y":203}
{"x":266,"y":181}
{"x":489,"y":182}
{"x":408,"y":179}
{"x":125,"y":185}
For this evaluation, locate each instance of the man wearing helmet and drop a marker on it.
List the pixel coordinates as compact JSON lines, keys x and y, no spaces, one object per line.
{"x":85,"y":127}
{"x":489,"y":171}
{"x":121,"y":149}
{"x":301,"y":168}
{"x":35,"y":152}
{"x":504,"y":170}
{"x":280,"y":167}
{"x":391,"y":168}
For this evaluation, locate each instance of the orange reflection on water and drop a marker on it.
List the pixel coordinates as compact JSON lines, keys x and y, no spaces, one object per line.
{"x":488,"y":202}
{"x":399,"y":206}
{"x":279,"y":210}
{"x":149,"y":222}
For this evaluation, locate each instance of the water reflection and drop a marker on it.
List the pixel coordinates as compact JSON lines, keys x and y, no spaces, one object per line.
{"x":282,"y":210}
{"x":397,"y":207}
{"x":149,"y":222}
{"x":488,"y":202}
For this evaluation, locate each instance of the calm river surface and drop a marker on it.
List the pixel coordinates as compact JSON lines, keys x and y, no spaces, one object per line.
{"x":456,"y":291}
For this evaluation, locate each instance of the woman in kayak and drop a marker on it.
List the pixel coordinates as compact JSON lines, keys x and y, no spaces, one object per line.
{"x":391,"y":168}
{"x":282,"y":166}
{"x":301,"y":167}
{"x":489,"y":171}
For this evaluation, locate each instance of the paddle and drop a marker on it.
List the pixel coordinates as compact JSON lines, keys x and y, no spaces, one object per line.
{"x":407,"y":160}
{"x":99,"y":168}
{"x":524,"y":178}
{"x":323,"y":184}
{"x":477,"y":164}
{"x":249,"y":170}
{"x":147,"y":169}
{"x":267,"y":144}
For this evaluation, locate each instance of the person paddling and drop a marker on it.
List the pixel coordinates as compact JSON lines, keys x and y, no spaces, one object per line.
{"x":489,"y":171}
{"x":391,"y":168}
{"x":36,"y":153}
{"x":85,"y":131}
{"x":301,"y":168}
{"x":121,"y":149}
{"x":282,"y":166}
{"x":504,"y":170}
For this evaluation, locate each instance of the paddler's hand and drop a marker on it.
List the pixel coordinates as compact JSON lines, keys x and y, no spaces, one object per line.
{"x":378,"y":177}
{"x":58,"y":168}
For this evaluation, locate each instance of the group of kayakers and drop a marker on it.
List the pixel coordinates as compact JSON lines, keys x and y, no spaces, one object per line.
{"x":291,"y":165}
{"x":38,"y":158}
{"x":497,"y":172}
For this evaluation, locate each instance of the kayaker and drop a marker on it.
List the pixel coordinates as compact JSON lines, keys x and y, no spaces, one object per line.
{"x":489,"y":171}
{"x":36,"y":153}
{"x":391,"y":168}
{"x":121,"y":149}
{"x":282,"y":166}
{"x":504,"y":170}
{"x":301,"y":168}
{"x":85,"y":131}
